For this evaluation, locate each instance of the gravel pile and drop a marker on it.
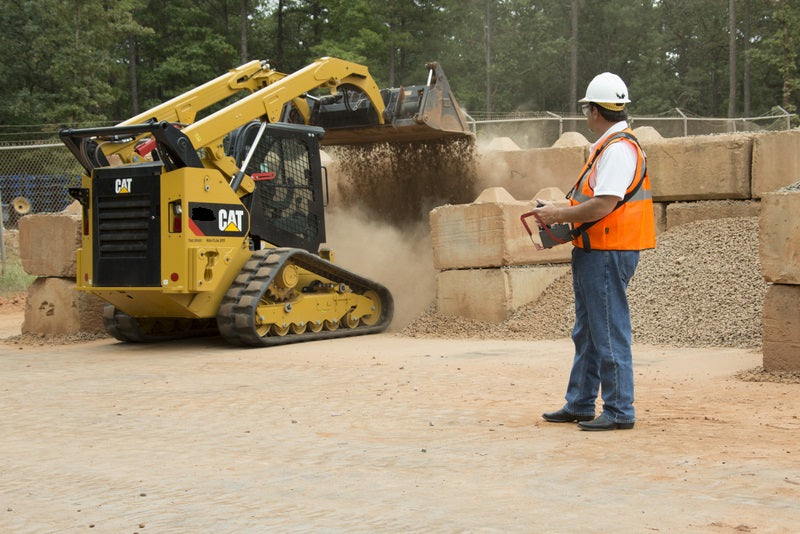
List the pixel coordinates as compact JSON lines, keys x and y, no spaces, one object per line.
{"x":700,"y":287}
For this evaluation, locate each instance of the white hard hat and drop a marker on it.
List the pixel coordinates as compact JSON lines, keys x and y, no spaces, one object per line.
{"x":608,"y":90}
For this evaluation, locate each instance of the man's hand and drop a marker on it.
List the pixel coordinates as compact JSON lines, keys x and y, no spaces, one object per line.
{"x":547,"y":212}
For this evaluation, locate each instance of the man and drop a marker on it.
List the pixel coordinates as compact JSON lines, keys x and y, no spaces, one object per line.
{"x":611,"y":209}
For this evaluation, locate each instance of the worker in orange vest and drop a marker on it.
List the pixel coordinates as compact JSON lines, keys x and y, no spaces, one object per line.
{"x":611,"y":213}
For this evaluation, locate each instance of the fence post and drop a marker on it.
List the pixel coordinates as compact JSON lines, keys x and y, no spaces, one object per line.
{"x":685,"y":122}
{"x":2,"y":236}
{"x":560,"y":122}
{"x":788,"y":117}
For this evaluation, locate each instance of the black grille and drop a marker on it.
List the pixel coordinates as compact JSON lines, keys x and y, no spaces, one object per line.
{"x":123,"y":223}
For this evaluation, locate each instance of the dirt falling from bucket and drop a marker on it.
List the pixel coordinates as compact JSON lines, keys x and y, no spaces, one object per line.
{"x":400,"y":183}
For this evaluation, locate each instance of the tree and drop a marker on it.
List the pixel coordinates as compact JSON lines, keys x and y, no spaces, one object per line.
{"x":779,"y":50}
{"x":731,"y":58}
{"x":67,"y":74}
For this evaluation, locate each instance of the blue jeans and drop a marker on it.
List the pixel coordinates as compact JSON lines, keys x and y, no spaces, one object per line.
{"x":602,"y":334}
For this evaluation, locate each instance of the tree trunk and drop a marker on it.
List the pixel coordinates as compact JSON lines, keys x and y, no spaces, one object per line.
{"x":573,"y":63}
{"x":243,"y":31}
{"x":731,"y":58}
{"x":746,"y":74}
{"x":132,"y":75}
{"x":488,"y":36}
{"x":279,"y":36}
{"x":391,"y":65}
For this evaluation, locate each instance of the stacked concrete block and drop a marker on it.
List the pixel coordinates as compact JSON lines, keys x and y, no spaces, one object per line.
{"x":55,"y":307}
{"x":776,"y":161}
{"x":707,"y":167}
{"x":660,"y":216}
{"x":678,"y":213}
{"x":524,"y":172}
{"x":488,"y":264}
{"x":488,"y":233}
{"x":502,"y":144}
{"x":492,"y":295}
{"x":779,"y":251}
{"x":48,"y":244}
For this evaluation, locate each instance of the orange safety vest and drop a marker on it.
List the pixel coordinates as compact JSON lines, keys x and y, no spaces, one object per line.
{"x":631,"y":225}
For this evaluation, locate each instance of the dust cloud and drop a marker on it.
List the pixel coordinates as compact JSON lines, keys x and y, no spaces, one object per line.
{"x":401,"y":260}
{"x":377,"y":216}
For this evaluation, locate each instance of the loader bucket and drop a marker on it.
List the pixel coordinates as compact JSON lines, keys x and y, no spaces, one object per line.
{"x":411,"y":114}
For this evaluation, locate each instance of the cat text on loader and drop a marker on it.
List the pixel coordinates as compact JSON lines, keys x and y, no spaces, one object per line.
{"x":217,"y":225}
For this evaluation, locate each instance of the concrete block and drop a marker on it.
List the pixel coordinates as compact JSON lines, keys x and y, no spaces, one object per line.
{"x":703,"y":167}
{"x":776,"y":161}
{"x":660,"y":216}
{"x":779,"y":226}
{"x":679,"y":213}
{"x":524,"y":172}
{"x":48,"y":243}
{"x":492,"y":295}
{"x":647,"y":135}
{"x":780,"y":339}
{"x":572,"y":139}
{"x":487,"y":234}
{"x":55,"y":307}
{"x":502,"y":144}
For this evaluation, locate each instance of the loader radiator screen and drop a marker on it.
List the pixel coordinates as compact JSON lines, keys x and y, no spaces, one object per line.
{"x":286,"y":208}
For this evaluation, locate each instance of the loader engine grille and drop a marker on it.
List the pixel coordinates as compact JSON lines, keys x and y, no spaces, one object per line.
{"x":123,"y":226}
{"x":126,"y":233}
{"x":286,"y":207}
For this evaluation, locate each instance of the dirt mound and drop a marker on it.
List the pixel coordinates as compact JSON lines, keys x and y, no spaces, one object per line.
{"x":701,"y":287}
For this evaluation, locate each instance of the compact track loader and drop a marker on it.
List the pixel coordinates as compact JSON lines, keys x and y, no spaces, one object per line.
{"x":217,"y":225}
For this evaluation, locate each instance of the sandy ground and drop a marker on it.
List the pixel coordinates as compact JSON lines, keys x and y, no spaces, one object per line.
{"x":383,"y":434}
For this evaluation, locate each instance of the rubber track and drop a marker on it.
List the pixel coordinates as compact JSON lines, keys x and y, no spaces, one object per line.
{"x":236,"y":315}
{"x":129,"y":329}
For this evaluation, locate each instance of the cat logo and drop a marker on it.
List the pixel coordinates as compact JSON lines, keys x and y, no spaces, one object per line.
{"x":230,"y":220}
{"x":122,"y":185}
{"x":222,"y":220}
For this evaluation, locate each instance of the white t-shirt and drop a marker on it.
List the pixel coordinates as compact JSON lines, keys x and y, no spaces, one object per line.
{"x":615,"y":168}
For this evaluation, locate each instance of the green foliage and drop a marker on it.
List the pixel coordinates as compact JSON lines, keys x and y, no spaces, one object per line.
{"x":14,"y":277}
{"x":93,"y":61}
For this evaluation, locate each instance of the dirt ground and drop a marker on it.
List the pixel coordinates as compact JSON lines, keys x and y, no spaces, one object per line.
{"x":382,"y":434}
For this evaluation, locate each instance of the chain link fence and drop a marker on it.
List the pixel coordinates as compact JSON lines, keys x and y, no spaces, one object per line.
{"x":34,"y":178}
{"x":542,"y":129}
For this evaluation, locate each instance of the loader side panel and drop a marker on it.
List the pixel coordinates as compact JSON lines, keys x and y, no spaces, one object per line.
{"x":126,"y":231}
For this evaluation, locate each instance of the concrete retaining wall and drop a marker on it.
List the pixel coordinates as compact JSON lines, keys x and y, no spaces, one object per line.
{"x":781,"y":328}
{"x":779,"y":250}
{"x":776,"y":161}
{"x":492,"y":295}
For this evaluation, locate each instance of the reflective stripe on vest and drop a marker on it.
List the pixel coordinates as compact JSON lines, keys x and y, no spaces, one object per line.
{"x":631,"y":225}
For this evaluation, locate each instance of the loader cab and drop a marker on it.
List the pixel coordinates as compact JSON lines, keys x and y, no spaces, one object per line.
{"x":287,"y":205}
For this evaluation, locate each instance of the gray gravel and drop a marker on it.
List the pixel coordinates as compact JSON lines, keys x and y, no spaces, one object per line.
{"x":700,"y":287}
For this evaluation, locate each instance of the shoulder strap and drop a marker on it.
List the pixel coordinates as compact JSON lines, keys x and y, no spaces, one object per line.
{"x":581,"y":230}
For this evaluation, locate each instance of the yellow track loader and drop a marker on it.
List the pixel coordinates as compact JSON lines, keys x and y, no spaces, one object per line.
{"x":217,"y":225}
